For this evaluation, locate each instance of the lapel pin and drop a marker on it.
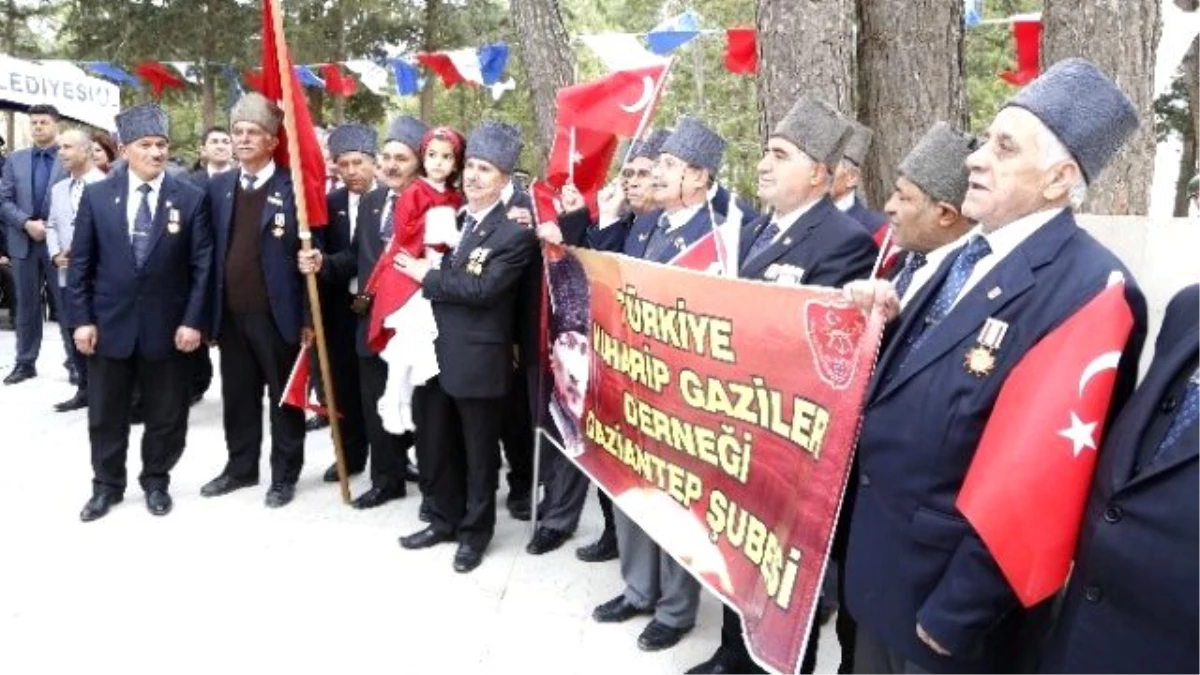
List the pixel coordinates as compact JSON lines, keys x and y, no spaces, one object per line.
{"x":787,"y":241}
{"x":994,"y":293}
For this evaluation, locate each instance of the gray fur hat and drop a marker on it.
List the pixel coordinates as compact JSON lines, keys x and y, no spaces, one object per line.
{"x":695,"y":144}
{"x":938,"y":163}
{"x":143,"y":120}
{"x":497,"y":143}
{"x":352,"y":138}
{"x":651,"y":145}
{"x":257,"y":109}
{"x":817,"y":129}
{"x":859,"y":143}
{"x":571,"y":298}
{"x":1084,"y":109}
{"x":407,"y":130}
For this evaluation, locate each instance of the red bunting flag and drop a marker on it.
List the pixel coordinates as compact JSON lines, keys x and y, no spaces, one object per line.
{"x":1028,"y":36}
{"x":440,"y":63}
{"x":1027,"y":486}
{"x":158,"y":76}
{"x":741,"y":51}
{"x":336,"y":83}
{"x":312,"y":160}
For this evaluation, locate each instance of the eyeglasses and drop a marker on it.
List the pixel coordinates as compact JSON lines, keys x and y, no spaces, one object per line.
{"x":629,"y":174}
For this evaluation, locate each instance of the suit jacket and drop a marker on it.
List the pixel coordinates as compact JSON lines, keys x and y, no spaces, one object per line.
{"x":16,"y":199}
{"x":633,"y":237}
{"x":358,"y":259}
{"x":528,"y":315}
{"x":869,"y":219}
{"x":285,"y":284}
{"x":1131,"y":604}
{"x":474,"y":304}
{"x":912,"y":557}
{"x":720,"y":204}
{"x":60,"y":226}
{"x":140,"y":309}
{"x":829,"y":247}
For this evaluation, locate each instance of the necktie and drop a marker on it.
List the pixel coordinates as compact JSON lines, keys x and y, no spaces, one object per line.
{"x":42,"y":162}
{"x":76,"y":194}
{"x":765,"y":238}
{"x":912,"y":262}
{"x":248,"y":180}
{"x":660,"y":238}
{"x":964,"y":263}
{"x":1185,"y":415}
{"x":468,"y":229}
{"x":388,"y":225}
{"x":141,"y":227}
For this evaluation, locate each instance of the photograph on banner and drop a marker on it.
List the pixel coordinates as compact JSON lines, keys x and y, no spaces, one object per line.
{"x":720,"y":415}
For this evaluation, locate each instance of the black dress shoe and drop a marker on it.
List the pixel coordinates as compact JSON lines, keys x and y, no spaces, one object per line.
{"x":546,"y":539}
{"x":721,"y":663}
{"x":158,"y":502}
{"x":316,"y":423}
{"x":330,"y":475}
{"x":98,"y":505}
{"x":411,"y":474}
{"x":601,"y":550}
{"x":280,"y":494}
{"x":376,"y":496}
{"x":520,"y":508}
{"x":424,"y":539}
{"x":618,"y":610}
{"x":224,"y":484}
{"x":425,"y":513}
{"x":19,"y":375}
{"x":77,"y":402}
{"x":659,"y":636}
{"x":467,"y":558}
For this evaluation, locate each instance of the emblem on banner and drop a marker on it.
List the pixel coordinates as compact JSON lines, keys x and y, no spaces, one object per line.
{"x":834,"y":331}
{"x":980,"y":360}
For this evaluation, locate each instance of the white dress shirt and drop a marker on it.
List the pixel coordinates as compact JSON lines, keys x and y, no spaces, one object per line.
{"x":933,"y":260}
{"x":678,"y":219}
{"x":260,"y":179}
{"x":845,"y":203}
{"x":1002,"y":242}
{"x":133,"y":200}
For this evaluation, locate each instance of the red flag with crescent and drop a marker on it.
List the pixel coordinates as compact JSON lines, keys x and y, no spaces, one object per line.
{"x":1027,"y":486}
{"x":615,"y":103}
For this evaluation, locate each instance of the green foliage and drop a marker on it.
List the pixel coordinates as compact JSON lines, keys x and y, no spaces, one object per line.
{"x":989,"y":50}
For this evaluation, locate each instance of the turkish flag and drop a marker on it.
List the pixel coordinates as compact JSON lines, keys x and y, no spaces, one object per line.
{"x":741,"y":51}
{"x":295,"y":392}
{"x":581,"y":157}
{"x":311,"y":166}
{"x":614,"y":104}
{"x":1028,"y":36}
{"x":336,"y":83}
{"x":158,"y":77}
{"x":1027,"y":486}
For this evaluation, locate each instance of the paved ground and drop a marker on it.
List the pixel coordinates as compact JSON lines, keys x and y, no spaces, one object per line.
{"x":227,"y":585}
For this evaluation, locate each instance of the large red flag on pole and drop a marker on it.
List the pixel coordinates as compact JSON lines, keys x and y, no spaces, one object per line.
{"x":1027,"y":486}
{"x":300,"y":152}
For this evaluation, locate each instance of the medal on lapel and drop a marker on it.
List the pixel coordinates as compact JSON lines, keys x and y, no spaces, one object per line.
{"x":980,"y":360}
{"x":172,"y":220}
{"x":680,"y":243}
{"x":279,"y":223}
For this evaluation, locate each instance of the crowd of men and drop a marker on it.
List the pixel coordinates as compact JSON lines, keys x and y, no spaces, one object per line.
{"x":151,"y":267}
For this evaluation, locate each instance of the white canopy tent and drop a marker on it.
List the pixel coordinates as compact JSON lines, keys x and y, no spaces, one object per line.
{"x":76,"y":95}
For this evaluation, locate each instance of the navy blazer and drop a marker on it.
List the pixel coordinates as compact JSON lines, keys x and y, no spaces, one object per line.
{"x":1131,"y":605}
{"x":828,"y":246}
{"x":358,"y":259}
{"x":285,"y":284}
{"x":140,"y":309}
{"x":912,"y":557}
{"x":633,"y":237}
{"x":870,"y":219}
{"x":16,"y":199}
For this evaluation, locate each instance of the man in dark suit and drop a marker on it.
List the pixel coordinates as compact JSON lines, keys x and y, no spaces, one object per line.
{"x":344,"y":267}
{"x":216,"y":156}
{"x":474,"y":298}
{"x":1131,"y":603}
{"x":24,"y":207}
{"x":924,"y":589}
{"x":259,"y":313}
{"x":138,"y":286}
{"x":804,"y":239}
{"x":848,"y":178}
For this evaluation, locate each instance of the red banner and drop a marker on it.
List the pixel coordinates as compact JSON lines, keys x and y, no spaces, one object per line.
{"x":724,"y":427}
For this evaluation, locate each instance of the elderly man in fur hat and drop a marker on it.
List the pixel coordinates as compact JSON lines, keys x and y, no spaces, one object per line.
{"x":474,"y":297}
{"x":138,"y":287}
{"x":924,"y":588}
{"x":259,"y":314}
{"x":848,"y":177}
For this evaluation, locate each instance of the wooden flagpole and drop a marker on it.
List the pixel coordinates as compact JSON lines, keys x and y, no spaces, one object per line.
{"x":314,"y":301}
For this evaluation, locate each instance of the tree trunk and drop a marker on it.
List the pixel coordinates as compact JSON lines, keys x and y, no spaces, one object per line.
{"x":1191,"y":149}
{"x":804,"y":47}
{"x":547,"y":57}
{"x":208,"y":73}
{"x":1126,"y":52}
{"x":428,"y":44}
{"x":911,"y":74}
